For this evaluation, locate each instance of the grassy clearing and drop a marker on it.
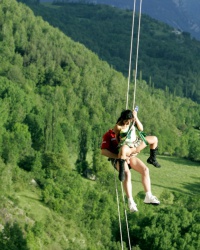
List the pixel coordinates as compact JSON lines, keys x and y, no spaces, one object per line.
{"x":176,"y":174}
{"x":50,"y":5}
{"x":30,"y":202}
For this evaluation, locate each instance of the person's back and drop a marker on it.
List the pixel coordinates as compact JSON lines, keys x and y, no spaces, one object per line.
{"x":109,"y":145}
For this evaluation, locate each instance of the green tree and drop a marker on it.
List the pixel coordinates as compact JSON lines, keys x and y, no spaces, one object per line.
{"x":12,"y":238}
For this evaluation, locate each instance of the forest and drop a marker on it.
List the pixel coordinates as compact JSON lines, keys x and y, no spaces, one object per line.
{"x":167,"y":59}
{"x":57,"y":100}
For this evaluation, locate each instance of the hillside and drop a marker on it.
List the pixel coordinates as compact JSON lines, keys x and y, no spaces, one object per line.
{"x":180,"y":14}
{"x":167,"y":59}
{"x":42,"y":228}
{"x":57,"y":99}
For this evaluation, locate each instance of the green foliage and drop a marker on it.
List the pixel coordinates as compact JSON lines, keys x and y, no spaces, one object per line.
{"x":170,"y":227}
{"x":167,"y":197}
{"x":61,"y":99}
{"x":56,"y":101}
{"x":169,"y":59}
{"x":11,"y":238}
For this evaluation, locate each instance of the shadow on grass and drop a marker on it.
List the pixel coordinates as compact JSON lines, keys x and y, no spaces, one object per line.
{"x":180,"y":161}
{"x":30,"y":198}
{"x":174,"y":189}
{"x":193,"y":188}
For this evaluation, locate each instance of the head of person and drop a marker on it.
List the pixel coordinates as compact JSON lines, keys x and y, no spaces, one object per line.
{"x":126,"y":116}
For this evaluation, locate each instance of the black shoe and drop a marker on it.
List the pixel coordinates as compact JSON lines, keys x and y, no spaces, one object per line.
{"x":153,"y":162}
{"x":121,"y":170}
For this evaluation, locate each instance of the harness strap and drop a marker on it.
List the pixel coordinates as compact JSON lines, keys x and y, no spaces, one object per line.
{"x":142,"y":135}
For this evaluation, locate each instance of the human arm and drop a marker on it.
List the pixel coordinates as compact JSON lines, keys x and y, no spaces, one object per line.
{"x":137,"y":121}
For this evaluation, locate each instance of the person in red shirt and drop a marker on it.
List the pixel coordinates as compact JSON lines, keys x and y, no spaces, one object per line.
{"x":129,"y":142}
{"x":109,"y":149}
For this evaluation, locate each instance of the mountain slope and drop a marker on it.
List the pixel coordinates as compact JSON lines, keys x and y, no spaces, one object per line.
{"x":180,"y":14}
{"x":167,"y":59}
{"x":57,"y":99}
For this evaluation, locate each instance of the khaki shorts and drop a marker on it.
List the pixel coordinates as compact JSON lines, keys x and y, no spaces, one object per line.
{"x":134,"y":144}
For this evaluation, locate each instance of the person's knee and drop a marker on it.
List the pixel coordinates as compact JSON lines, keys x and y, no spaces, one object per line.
{"x":145,"y":171}
{"x":128,"y":174}
{"x":155,"y":139}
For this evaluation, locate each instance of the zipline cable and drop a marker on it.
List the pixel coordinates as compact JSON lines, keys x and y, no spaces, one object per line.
{"x":127,"y":100}
{"x":130,"y":57}
{"x":120,"y":226}
{"x":125,"y":213}
{"x":117,"y":195}
{"x":137,"y":52}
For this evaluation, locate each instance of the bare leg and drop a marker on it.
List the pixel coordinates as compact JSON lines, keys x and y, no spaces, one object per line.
{"x":124,"y":152}
{"x":153,"y":141}
{"x":140,"y":147}
{"x":140,"y":167}
{"x":127,"y":184}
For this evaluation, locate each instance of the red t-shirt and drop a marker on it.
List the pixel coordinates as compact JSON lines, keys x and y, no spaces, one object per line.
{"x":109,"y":142}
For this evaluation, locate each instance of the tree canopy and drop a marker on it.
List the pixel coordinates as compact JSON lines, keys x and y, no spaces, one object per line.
{"x":57,"y":98}
{"x":170,"y":59}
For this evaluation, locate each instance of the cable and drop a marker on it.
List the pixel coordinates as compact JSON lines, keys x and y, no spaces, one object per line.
{"x":130,"y":57}
{"x":127,"y":100}
{"x":117,"y":195}
{"x":136,"y":61}
{"x":125,"y":213}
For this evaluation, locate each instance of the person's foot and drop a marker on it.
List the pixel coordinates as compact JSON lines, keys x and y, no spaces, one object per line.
{"x":153,"y":162}
{"x":151,"y":200}
{"x":121,"y":170}
{"x":132,"y":206}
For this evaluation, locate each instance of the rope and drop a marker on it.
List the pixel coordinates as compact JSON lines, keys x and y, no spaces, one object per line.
{"x":127,"y":228}
{"x":118,"y":207}
{"x":130,"y":57}
{"x":136,"y":61}
{"x":137,"y":52}
{"x":120,"y":226}
{"x":127,"y":99}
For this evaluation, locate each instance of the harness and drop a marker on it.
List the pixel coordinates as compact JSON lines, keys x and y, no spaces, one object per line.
{"x":141,"y":134}
{"x":123,"y":140}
